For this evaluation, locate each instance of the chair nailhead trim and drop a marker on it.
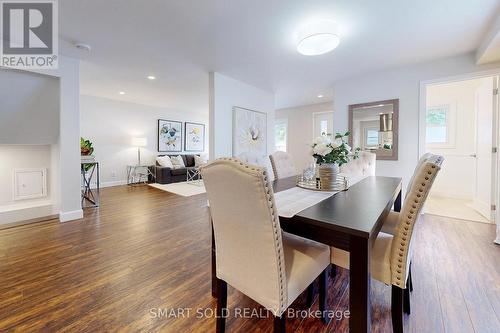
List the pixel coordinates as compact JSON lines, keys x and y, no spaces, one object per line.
{"x":412,"y":208}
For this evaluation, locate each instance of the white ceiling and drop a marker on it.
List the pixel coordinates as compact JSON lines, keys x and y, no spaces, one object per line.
{"x":253,"y":41}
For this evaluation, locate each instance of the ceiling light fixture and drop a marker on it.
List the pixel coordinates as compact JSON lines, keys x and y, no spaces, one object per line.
{"x":122,"y":92}
{"x":317,"y":38}
{"x":320,"y":96}
{"x":83,"y":47}
{"x":151,"y":77}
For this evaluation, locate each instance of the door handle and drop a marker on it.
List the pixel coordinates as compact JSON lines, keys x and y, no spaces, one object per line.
{"x":473,"y":155}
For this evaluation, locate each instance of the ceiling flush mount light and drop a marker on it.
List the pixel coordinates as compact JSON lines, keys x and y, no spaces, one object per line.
{"x":320,"y":96}
{"x":122,"y":92}
{"x":151,"y":77}
{"x":318,"y":38}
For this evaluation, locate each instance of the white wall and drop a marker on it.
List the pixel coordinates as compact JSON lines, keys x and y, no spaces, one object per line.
{"x":402,"y":83}
{"x":21,"y":157}
{"x":225,"y":93}
{"x":29,"y":135}
{"x":300,"y":130}
{"x":29,"y":108}
{"x":111,"y":124}
{"x":68,"y":146}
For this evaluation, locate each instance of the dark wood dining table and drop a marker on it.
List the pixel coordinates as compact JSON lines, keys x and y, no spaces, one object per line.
{"x":349,"y":220}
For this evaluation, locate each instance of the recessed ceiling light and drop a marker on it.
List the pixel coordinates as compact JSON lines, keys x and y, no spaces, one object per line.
{"x":122,"y":92}
{"x":317,"y":38}
{"x":151,"y":77}
{"x":320,"y":96}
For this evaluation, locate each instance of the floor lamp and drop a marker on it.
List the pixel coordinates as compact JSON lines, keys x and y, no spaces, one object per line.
{"x":139,"y":142}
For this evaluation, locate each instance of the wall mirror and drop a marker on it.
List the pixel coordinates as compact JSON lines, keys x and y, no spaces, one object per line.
{"x":374,"y":128}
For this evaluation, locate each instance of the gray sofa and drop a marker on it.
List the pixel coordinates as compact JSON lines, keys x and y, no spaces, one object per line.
{"x":166,"y":175}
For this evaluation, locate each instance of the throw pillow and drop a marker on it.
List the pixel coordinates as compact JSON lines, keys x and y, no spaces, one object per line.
{"x":177,"y":161}
{"x":199,"y":161}
{"x":164,"y":161}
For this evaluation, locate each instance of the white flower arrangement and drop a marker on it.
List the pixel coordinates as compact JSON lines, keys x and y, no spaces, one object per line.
{"x":325,"y":150}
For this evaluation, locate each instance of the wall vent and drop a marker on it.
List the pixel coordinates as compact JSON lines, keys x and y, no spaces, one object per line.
{"x":29,"y":183}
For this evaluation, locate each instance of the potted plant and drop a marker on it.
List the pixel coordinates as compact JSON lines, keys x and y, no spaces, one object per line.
{"x":330,"y":155}
{"x":86,"y":148}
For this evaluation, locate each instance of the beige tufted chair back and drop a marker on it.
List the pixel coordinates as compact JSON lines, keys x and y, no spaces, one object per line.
{"x":361,"y":167}
{"x":422,"y":181}
{"x":249,"y":248}
{"x":422,"y":159}
{"x":283,"y":166}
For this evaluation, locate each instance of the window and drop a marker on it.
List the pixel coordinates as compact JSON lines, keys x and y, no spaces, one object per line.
{"x":437,"y":120}
{"x":323,"y":127}
{"x":371,"y":138}
{"x":280,"y":134}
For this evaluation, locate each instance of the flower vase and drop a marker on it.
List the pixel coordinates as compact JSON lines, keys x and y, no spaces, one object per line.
{"x":328,"y":173}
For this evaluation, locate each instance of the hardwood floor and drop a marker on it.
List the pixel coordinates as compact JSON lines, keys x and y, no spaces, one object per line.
{"x":145,"y":250}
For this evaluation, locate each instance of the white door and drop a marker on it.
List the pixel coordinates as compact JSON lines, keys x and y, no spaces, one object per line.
{"x":460,"y":120}
{"x":322,"y":123}
{"x":484,"y":191}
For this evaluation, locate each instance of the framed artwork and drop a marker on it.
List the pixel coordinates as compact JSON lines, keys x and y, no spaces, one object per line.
{"x":194,"y":137}
{"x":249,"y":132}
{"x":169,"y":136}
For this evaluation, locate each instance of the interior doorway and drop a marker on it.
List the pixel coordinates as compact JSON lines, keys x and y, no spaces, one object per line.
{"x":460,"y":122}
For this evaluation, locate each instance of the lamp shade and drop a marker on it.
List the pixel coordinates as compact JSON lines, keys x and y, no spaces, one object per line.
{"x":139,"y":142}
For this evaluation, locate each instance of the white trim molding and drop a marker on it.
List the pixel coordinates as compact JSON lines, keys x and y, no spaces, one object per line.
{"x":70,"y":216}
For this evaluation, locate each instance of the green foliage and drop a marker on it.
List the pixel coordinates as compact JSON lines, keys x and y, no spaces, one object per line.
{"x":436,"y":116}
{"x":86,"y":147}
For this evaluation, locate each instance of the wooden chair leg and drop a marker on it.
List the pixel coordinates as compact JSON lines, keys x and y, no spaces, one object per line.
{"x":221,"y":306}
{"x":310,"y":295}
{"x":323,"y":293}
{"x":397,"y":309}
{"x":406,"y":300}
{"x":280,"y":323}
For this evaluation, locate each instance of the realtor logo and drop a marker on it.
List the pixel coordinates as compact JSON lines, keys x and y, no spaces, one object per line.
{"x":29,"y":34}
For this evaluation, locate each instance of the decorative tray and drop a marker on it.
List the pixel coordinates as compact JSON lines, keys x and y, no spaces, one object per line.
{"x":340,"y":184}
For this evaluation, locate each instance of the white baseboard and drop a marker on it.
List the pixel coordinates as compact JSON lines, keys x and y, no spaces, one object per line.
{"x":70,"y":216}
{"x":113,"y":183}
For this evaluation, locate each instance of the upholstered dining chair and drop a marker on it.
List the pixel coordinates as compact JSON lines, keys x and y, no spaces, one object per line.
{"x":252,"y":253}
{"x":362,"y":167}
{"x":259,"y":160}
{"x":283,"y":165}
{"x":391,"y":222}
{"x":391,"y":253}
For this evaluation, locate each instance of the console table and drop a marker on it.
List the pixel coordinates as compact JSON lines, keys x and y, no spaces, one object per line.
{"x":89,"y":170}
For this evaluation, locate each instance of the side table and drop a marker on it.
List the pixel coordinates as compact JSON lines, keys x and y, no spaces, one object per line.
{"x":137,"y":174}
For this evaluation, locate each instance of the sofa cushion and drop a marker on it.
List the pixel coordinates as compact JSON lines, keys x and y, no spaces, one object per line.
{"x":189,"y":160}
{"x":180,"y":171}
{"x":164,"y":161}
{"x":178,"y":161}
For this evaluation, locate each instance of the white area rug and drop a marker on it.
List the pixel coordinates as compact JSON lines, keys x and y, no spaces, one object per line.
{"x":184,"y":189}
